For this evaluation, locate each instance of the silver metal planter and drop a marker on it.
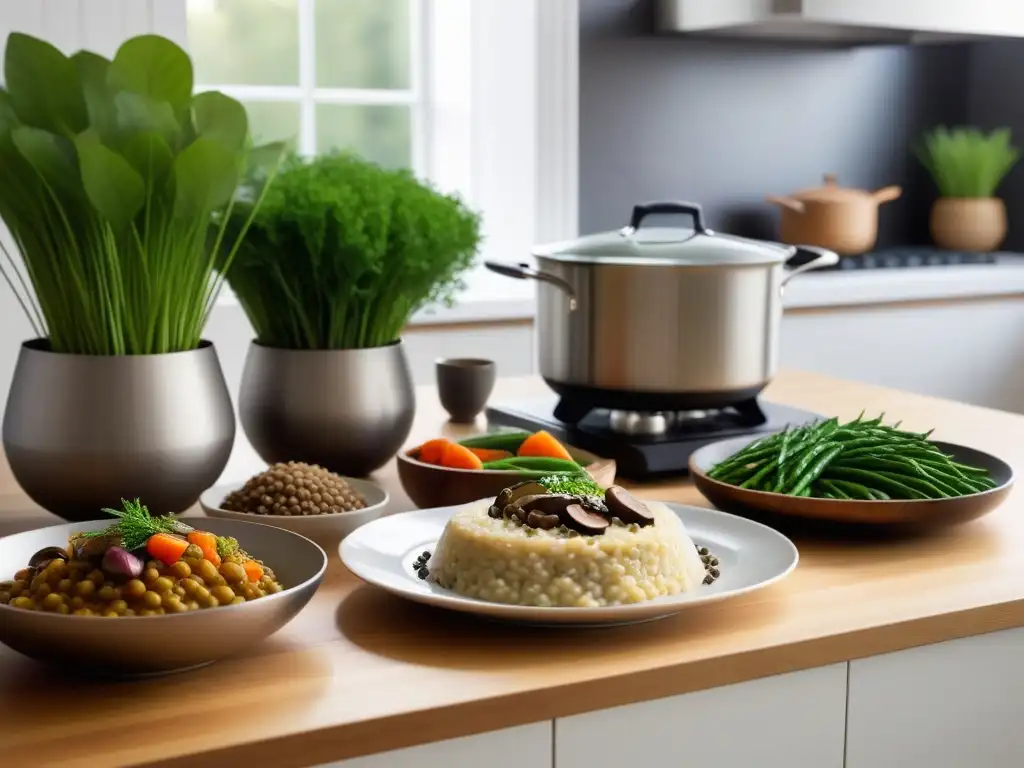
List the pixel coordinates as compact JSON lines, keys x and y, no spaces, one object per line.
{"x":349,"y":410}
{"x":81,"y":432}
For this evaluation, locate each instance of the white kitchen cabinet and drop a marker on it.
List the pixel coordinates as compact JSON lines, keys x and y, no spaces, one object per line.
{"x":527,"y":746}
{"x":853,"y":20}
{"x":948,"y":705}
{"x":794,"y":720}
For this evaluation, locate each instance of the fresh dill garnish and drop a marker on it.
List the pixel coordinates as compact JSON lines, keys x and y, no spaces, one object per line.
{"x":227,"y":545}
{"x":574,"y":485}
{"x":135,"y":525}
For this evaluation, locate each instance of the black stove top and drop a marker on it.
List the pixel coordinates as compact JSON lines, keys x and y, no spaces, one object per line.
{"x":899,"y":258}
{"x":648,"y":445}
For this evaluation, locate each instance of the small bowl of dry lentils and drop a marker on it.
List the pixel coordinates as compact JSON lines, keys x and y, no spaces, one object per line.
{"x":304,"y":498}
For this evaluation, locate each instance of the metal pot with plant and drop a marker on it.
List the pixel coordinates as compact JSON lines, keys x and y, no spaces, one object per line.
{"x":339,"y":256}
{"x":968,"y":165}
{"x":111,"y":172}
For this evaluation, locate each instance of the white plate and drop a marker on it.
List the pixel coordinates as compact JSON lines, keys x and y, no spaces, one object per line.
{"x":751,"y":556}
{"x":325,"y":530}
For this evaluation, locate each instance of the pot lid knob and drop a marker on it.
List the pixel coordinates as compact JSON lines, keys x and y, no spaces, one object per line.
{"x":640,"y":212}
{"x":831,"y":180}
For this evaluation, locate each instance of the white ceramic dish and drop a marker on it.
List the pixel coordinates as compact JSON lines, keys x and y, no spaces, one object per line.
{"x":325,"y":530}
{"x":752,"y":556}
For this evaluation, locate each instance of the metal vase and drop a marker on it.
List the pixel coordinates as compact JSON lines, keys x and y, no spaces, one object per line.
{"x":81,"y":432}
{"x":348,"y":410}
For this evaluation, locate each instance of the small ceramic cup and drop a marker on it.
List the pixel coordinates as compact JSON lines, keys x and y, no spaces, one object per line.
{"x":463,"y":385}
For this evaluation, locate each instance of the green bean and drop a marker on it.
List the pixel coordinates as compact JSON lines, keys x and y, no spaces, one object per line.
{"x":835,"y":490}
{"x":879,"y":495}
{"x":967,"y":469}
{"x":738,"y":460}
{"x":787,"y":439}
{"x":924,"y":486}
{"x":535,"y":463}
{"x":819,"y":466}
{"x":876,"y":479}
{"x":760,"y":474}
{"x":510,"y":440}
{"x":853,"y":490}
{"x":809,"y":456}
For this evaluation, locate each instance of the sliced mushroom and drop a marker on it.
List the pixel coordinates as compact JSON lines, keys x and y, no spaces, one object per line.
{"x":629,"y":509}
{"x":577,"y":518}
{"x":546,"y":503}
{"x":540,"y":520}
{"x":45,"y":555}
{"x":515,"y":492}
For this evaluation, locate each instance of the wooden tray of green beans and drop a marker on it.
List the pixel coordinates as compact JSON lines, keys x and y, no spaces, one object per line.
{"x":863,"y":470}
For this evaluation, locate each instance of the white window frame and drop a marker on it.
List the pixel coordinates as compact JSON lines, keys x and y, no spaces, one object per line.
{"x":498,"y":87}
{"x":307,"y":95}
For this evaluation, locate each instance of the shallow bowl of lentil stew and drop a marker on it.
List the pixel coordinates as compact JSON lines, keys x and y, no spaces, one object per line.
{"x":169,"y":642}
{"x":327,"y":530}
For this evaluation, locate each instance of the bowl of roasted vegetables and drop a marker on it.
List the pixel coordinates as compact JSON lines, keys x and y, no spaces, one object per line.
{"x":444,"y":472}
{"x":860,"y":471}
{"x":138,"y":593}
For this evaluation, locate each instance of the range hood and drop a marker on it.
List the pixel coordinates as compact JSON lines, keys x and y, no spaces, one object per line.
{"x":845,"y":21}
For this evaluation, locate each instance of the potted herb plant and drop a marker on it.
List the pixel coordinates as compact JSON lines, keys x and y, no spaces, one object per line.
{"x":110,"y":173}
{"x":968,"y":166}
{"x":337,"y":258}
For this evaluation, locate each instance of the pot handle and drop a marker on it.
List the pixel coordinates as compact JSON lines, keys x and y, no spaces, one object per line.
{"x":887,"y":194}
{"x":526,"y":272}
{"x":640,"y":212}
{"x":825,"y":258}
{"x":792,"y":204}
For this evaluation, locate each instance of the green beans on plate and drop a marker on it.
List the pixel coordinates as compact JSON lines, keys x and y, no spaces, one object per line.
{"x":864,"y":459}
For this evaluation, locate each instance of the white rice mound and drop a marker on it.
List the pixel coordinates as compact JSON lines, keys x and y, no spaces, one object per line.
{"x":498,"y":561}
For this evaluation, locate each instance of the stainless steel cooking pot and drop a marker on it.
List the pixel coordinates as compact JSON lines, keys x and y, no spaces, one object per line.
{"x":659,"y":318}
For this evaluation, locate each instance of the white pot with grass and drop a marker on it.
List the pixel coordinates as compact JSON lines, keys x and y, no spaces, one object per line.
{"x":337,"y":258}
{"x":112,"y":179}
{"x":968,"y":166}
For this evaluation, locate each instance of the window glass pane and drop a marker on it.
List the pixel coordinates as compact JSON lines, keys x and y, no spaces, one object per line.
{"x":245,"y":42}
{"x":362,"y":44}
{"x":273,"y":121}
{"x":378,"y":133}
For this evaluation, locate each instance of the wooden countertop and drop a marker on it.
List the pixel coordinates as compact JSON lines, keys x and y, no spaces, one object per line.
{"x":361,"y":672}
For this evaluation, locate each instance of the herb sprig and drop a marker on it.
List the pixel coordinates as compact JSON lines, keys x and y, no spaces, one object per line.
{"x":573,"y":485}
{"x":135,"y":525}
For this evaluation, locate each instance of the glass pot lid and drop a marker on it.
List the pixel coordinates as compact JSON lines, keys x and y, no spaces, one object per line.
{"x":695,"y":245}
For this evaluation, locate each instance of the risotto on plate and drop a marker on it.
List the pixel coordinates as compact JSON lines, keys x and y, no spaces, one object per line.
{"x":546,"y":544}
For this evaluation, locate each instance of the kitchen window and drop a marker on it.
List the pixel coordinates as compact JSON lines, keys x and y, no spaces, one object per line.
{"x":319,"y":74}
{"x":449,"y":88}
{"x":480,"y":96}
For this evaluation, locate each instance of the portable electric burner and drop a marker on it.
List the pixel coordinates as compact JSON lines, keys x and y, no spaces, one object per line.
{"x":649,"y":444}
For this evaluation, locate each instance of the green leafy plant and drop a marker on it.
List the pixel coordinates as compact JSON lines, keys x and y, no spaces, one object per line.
{"x":965,"y":162}
{"x":342,"y":252}
{"x":110,"y":172}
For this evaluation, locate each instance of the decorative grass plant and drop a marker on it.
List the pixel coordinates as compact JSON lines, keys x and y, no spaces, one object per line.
{"x":110,"y":174}
{"x":966,"y":162}
{"x":343,"y":251}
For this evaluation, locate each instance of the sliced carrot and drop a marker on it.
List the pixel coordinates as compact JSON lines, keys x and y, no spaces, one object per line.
{"x":489,"y":454}
{"x":457,"y":456}
{"x":166,"y":548}
{"x":253,"y":570}
{"x":432,"y":450}
{"x":206,"y":542}
{"x":543,"y":444}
